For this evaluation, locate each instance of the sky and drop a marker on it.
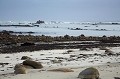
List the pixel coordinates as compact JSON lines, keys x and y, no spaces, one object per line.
{"x":60,"y":10}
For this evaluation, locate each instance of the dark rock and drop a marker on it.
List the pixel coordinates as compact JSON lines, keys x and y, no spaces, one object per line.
{"x":39,"y":22}
{"x":89,"y":73}
{"x":109,"y":52}
{"x":27,"y":44}
{"x":70,"y":51}
{"x":25,"y":58}
{"x":34,"y":64}
{"x":19,"y":69}
{"x":84,"y":48}
{"x":4,"y":63}
{"x":116,"y":77}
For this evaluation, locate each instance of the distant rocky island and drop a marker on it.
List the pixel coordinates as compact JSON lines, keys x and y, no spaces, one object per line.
{"x":23,"y":25}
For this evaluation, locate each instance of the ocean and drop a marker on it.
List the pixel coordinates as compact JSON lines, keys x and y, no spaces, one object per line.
{"x":72,"y":29}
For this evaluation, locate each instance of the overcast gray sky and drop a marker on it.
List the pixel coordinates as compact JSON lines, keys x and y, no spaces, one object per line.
{"x":60,"y":10}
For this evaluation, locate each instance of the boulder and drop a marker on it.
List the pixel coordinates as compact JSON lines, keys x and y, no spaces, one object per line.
{"x":19,"y":69}
{"x":116,"y":77}
{"x":26,"y":58}
{"x":89,"y":73}
{"x":18,"y":66}
{"x":34,"y":64}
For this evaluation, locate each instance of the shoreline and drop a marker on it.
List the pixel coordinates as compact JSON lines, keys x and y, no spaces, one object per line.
{"x":23,"y":43}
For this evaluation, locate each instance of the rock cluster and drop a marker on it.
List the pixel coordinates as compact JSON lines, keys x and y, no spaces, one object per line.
{"x":27,"y":64}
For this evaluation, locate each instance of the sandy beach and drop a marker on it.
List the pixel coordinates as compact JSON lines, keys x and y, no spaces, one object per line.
{"x":59,"y":39}
{"x":74,"y":59}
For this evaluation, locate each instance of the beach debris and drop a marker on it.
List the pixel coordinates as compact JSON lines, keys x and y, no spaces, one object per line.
{"x":96,"y":54}
{"x":10,"y":67}
{"x":84,"y":48}
{"x":26,"y":58}
{"x":19,"y":69}
{"x":108,"y":62}
{"x":70,"y":51}
{"x":1,"y":70}
{"x":7,"y":57}
{"x":56,"y":61}
{"x":102,"y":48}
{"x":89,"y":73}
{"x":109,"y":52}
{"x":62,"y":70}
{"x":34,"y":64}
{"x":73,"y":56}
{"x":3,"y":64}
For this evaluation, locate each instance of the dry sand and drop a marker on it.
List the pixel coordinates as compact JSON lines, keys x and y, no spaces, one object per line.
{"x":108,"y":66}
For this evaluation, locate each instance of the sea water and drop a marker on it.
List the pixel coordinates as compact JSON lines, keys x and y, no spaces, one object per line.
{"x":62,"y":29}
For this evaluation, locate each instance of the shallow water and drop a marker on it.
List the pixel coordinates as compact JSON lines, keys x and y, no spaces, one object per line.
{"x":63,"y":29}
